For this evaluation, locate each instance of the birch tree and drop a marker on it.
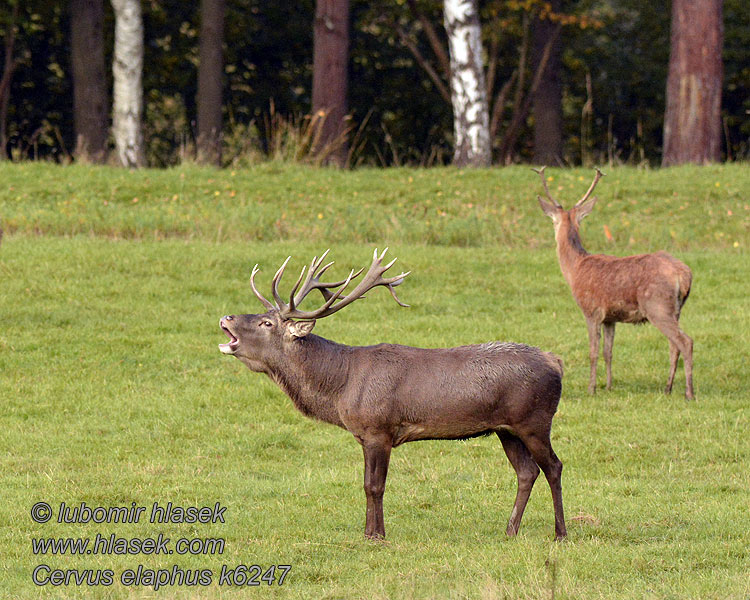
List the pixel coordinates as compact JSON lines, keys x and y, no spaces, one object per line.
{"x":127,"y":69}
{"x":471,"y":126}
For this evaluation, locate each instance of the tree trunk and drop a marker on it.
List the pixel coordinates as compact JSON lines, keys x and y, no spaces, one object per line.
{"x":127,"y":68}
{"x":692,"y":122}
{"x":330,"y":79}
{"x":9,"y":65}
{"x":210,"y":75}
{"x":547,"y":100}
{"x":471,"y":121}
{"x":90,"y":105}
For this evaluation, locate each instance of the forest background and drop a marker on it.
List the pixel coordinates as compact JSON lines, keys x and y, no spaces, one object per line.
{"x":608,"y":70}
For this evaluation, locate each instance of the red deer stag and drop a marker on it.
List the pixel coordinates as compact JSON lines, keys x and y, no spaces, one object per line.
{"x":613,"y":289}
{"x":386,"y":395}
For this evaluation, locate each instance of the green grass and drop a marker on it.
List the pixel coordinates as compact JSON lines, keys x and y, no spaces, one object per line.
{"x":680,"y":208}
{"x":114,"y":392}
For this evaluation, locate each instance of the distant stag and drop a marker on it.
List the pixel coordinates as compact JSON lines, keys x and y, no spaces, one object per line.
{"x":386,"y":395}
{"x":612,"y":289}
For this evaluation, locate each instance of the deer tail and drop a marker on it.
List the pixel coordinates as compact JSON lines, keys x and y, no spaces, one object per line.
{"x":684,"y":283}
{"x":555,"y":362}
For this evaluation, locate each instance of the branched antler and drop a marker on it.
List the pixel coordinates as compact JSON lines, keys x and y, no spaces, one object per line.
{"x":332,"y":292}
{"x":546,"y":189}
{"x":312,"y":281}
{"x":597,"y":177}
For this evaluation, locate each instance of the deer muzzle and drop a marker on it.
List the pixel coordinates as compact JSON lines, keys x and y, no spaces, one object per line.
{"x":231,"y":346}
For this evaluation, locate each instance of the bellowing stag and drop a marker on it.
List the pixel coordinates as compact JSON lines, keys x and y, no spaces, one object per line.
{"x":386,"y":395}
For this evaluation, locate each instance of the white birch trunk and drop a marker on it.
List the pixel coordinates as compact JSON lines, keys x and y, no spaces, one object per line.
{"x":127,"y":68}
{"x":471,"y":121}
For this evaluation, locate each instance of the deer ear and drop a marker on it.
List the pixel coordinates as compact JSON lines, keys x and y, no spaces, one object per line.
{"x":584,"y":209}
{"x":300,"y":329}
{"x":549,"y":209}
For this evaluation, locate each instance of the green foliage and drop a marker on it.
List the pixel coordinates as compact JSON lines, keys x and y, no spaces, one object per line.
{"x":736,"y":101}
{"x":627,"y":60}
{"x":410,"y":122}
{"x":41,"y":104}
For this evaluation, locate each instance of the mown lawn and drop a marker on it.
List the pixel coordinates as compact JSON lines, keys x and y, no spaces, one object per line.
{"x":114,"y":391}
{"x":677,"y":208}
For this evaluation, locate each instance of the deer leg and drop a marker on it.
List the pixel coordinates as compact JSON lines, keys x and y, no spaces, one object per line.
{"x":670,"y":327}
{"x":594,"y":328}
{"x":688,"y":360}
{"x":674,"y":356}
{"x":542,"y":453}
{"x":526,"y":472}
{"x":609,"y":341}
{"x":377,"y":456}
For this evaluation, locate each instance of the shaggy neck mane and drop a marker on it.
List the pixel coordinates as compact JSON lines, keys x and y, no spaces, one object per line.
{"x":314,"y":376}
{"x":574,"y":242}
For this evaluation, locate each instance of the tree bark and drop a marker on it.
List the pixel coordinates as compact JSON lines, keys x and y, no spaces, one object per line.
{"x":330,"y":79}
{"x":523,"y":104}
{"x":547,"y":99}
{"x":127,"y":68}
{"x":471,"y":125}
{"x":210,"y":76}
{"x":692,"y":120}
{"x":9,"y":65}
{"x":90,"y":103}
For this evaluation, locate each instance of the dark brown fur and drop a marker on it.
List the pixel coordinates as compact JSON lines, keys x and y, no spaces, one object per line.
{"x":387,"y":395}
{"x":630,"y":289}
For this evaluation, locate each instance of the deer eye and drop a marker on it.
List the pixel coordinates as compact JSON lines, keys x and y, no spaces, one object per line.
{"x":266,"y":324}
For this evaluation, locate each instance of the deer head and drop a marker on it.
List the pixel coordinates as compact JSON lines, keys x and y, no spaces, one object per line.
{"x":263,"y":339}
{"x":570,"y":218}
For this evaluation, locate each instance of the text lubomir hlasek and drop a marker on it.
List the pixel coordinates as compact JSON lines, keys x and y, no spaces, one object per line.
{"x":169,"y":513}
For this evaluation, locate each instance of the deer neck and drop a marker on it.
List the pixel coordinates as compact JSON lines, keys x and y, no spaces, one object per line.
{"x":314,"y":375}
{"x":570,"y":250}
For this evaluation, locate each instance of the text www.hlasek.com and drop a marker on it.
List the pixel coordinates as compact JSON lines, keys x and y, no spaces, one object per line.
{"x":161,"y":545}
{"x":116,"y":545}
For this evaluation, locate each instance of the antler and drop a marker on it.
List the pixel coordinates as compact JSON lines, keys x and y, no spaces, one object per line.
{"x":265,"y":302}
{"x":597,"y":177}
{"x":331,"y":291}
{"x":546,"y":189}
{"x":312,"y":281}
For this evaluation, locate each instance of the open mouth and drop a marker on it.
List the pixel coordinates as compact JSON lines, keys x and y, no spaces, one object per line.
{"x":231,"y":346}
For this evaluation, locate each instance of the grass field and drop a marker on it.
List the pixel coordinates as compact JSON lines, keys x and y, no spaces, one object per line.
{"x":114,"y":392}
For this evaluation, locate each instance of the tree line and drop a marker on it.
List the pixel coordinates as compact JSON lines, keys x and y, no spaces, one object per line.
{"x":468,"y":82}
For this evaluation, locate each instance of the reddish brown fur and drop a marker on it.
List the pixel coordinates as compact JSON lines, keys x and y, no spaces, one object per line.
{"x":630,"y":289}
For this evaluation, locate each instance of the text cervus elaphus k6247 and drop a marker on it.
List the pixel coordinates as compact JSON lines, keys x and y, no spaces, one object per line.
{"x":386,"y":395}
{"x":613,"y":289}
